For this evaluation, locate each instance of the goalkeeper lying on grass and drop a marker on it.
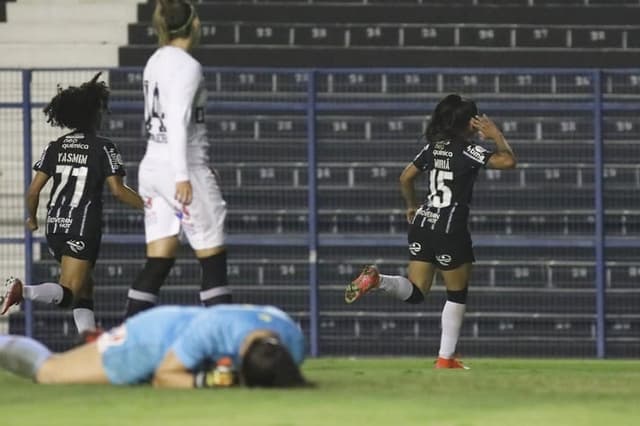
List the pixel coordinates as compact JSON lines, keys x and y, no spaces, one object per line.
{"x":174,"y":346}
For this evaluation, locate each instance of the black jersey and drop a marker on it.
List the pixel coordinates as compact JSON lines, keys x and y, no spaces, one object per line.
{"x":79,"y":164}
{"x":452,"y":167}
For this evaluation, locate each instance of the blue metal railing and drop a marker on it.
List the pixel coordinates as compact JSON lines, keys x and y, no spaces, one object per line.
{"x":311,"y":106}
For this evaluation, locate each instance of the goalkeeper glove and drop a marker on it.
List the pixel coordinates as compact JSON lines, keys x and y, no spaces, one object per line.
{"x":223,"y":375}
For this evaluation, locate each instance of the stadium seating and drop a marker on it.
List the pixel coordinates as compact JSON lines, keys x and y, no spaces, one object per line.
{"x":535,"y":227}
{"x":368,"y":126}
{"x":410,"y":33}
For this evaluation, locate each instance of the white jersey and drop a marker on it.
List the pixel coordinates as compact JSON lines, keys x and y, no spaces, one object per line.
{"x":174,"y":108}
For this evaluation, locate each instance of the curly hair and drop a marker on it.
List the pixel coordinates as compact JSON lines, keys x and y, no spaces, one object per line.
{"x":450,"y":118}
{"x":78,"y":108}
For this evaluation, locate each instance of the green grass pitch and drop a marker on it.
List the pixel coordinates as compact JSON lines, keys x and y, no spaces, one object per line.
{"x":362,"y":391}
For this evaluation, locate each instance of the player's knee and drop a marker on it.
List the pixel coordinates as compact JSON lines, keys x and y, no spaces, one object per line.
{"x":417,"y":295}
{"x":68,"y":298}
{"x":457,"y":296}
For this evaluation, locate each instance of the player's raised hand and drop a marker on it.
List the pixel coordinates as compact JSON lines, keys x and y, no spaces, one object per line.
{"x":184,"y":192}
{"x":486,"y":126}
{"x":31,"y":224}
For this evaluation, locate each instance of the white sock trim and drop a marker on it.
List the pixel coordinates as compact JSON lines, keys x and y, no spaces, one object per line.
{"x":214,"y":292}
{"x":142,"y":296}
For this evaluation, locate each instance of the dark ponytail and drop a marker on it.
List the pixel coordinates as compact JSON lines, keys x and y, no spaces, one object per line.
{"x":450,"y":118}
{"x":268,"y":363}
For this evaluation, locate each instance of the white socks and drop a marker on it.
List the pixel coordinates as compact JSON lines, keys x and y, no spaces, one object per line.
{"x":452,"y":316}
{"x":53,"y":293}
{"x":397,"y":286}
{"x":44,"y":293}
{"x":22,"y":355}
{"x":85,"y":319}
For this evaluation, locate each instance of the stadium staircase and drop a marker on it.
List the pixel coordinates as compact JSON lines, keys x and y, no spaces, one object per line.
{"x":63,"y":33}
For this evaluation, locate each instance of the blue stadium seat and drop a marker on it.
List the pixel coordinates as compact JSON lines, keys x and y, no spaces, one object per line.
{"x":264,"y":34}
{"x":319,"y":35}
{"x":350,"y":84}
{"x":429,"y":35}
{"x":485,"y":36}
{"x":541,"y":37}
{"x":621,"y":126}
{"x":374,"y":35}
{"x":597,"y":37}
{"x":633,"y":39}
{"x":530,"y":84}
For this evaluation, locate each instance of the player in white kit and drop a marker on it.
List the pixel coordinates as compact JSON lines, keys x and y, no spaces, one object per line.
{"x":180,"y":190}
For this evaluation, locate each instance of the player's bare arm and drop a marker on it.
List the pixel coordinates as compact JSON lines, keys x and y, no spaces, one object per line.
{"x":407,"y":188}
{"x":33,"y":198}
{"x":124,"y":193}
{"x":503,"y":158}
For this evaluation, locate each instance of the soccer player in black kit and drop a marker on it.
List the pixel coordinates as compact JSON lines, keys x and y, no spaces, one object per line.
{"x":80,"y":163}
{"x":438,"y":234}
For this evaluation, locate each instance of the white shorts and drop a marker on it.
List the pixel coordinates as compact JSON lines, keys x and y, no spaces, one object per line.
{"x":201,"y":222}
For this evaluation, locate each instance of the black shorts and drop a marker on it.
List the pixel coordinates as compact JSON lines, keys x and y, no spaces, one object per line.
{"x":83,"y":248}
{"x":446,"y":251}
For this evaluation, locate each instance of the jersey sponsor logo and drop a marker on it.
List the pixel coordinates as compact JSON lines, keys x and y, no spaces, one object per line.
{"x":76,"y":246}
{"x":476,"y":152}
{"x":75,"y":145}
{"x":115,"y":159}
{"x":62,"y":222}
{"x":264,"y":317}
{"x":442,"y":153}
{"x":431,"y":216}
{"x":415,"y":248}
{"x":444,"y":259}
{"x":185,"y":218}
{"x":78,"y":135}
{"x":183,"y":214}
{"x":440,"y":144}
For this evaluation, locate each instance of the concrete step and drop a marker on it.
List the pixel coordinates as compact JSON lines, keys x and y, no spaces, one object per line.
{"x":59,"y":55}
{"x":82,"y":2}
{"x":69,"y":12}
{"x":49,"y":33}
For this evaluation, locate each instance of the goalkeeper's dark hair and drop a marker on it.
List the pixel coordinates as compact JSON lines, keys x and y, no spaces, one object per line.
{"x":78,"y":108}
{"x":450,"y":118}
{"x":174,"y":19}
{"x":268,"y":363}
